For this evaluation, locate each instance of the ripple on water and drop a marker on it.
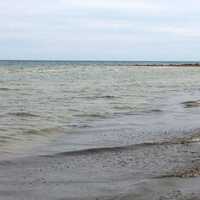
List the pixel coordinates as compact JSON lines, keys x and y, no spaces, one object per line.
{"x":23,"y":114}
{"x":44,"y":131}
{"x":8,"y":89}
{"x":93,"y":116}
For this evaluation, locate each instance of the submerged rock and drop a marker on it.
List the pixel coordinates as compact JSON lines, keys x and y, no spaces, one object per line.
{"x":191,"y":104}
{"x":192,"y":172}
{"x":184,"y":173}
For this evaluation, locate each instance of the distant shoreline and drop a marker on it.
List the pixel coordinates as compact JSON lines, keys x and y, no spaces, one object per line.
{"x":106,"y":63}
{"x":169,"y":65}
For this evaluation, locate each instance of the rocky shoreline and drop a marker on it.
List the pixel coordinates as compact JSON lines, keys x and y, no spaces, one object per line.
{"x":170,"y":65}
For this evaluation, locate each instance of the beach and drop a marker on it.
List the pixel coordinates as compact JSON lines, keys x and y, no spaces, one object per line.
{"x":156,"y":171}
{"x":99,"y":130}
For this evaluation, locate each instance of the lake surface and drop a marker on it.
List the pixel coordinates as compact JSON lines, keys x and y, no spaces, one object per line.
{"x":54,"y":107}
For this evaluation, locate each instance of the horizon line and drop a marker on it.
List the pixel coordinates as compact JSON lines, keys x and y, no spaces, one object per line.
{"x":94,"y":60}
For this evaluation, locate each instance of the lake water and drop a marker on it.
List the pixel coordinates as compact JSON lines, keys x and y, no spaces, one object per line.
{"x":53,"y":107}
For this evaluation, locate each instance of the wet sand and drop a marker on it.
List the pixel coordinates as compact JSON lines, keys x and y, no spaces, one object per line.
{"x":160,"y":171}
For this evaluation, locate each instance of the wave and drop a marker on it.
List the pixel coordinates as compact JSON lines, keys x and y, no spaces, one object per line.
{"x":174,"y":141}
{"x":80,"y":126}
{"x":100,"y":116}
{"x":44,"y":131}
{"x":23,"y":114}
{"x":8,"y":89}
{"x":154,"y":111}
{"x":102,"y":97}
{"x":97,"y":97}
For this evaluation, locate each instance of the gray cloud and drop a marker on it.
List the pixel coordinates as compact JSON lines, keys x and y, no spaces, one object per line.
{"x":99,"y":29}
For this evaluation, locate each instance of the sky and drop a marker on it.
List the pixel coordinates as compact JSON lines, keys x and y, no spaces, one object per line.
{"x":100,"y":29}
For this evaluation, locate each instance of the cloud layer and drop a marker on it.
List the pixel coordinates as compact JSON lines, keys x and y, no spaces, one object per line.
{"x":100,"y":29}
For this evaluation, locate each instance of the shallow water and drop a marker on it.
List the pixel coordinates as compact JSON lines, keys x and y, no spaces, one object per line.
{"x":52,"y":107}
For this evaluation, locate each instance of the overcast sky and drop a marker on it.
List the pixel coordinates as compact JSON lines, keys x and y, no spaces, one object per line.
{"x":100,"y":29}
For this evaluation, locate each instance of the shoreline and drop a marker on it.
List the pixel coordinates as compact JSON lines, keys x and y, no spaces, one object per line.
{"x":164,"y":170}
{"x":169,"y":65}
{"x":107,"y":63}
